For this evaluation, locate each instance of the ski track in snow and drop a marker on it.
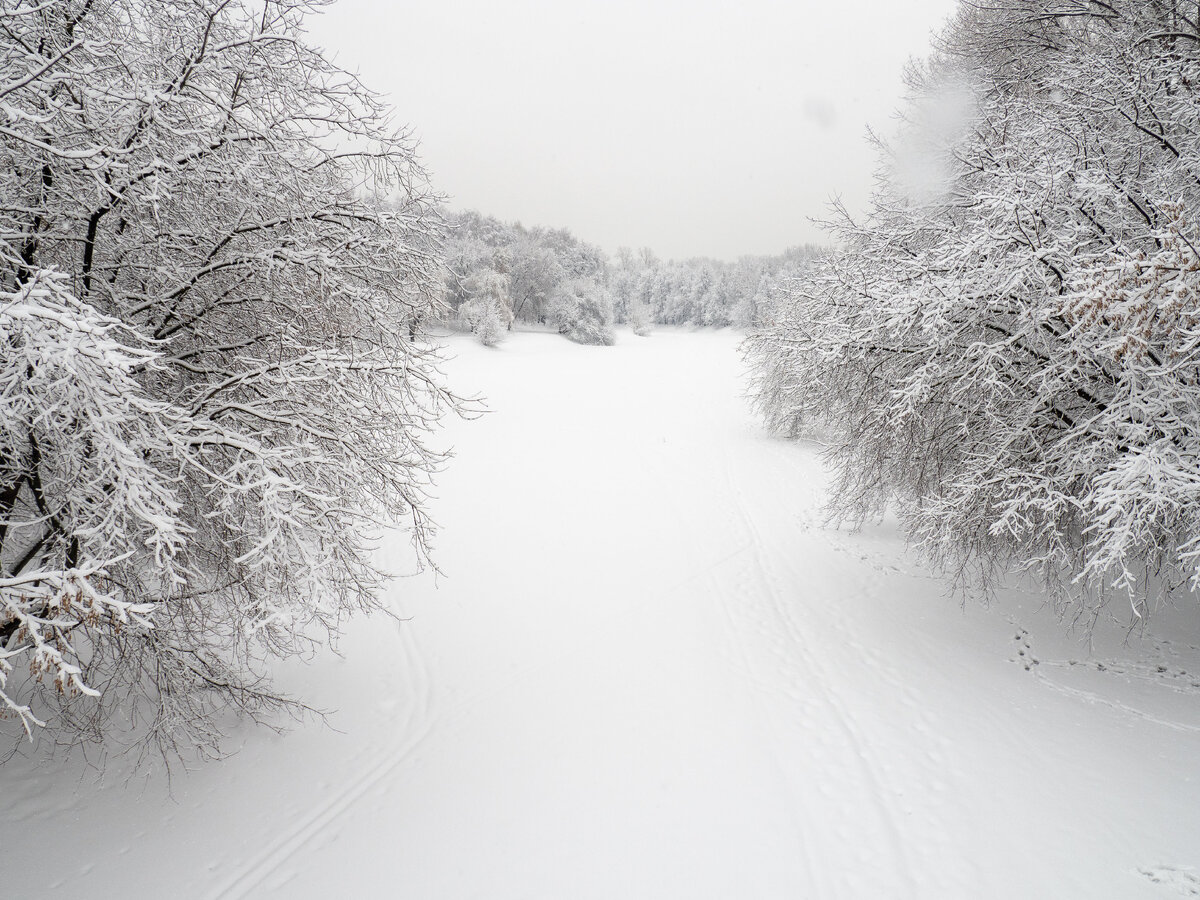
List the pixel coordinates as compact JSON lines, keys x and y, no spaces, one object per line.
{"x":408,"y":730}
{"x":769,"y":598}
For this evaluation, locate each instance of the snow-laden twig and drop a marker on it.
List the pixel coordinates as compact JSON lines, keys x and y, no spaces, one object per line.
{"x":1009,"y":349}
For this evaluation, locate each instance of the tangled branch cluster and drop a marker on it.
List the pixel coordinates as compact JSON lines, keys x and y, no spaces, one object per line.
{"x":1006,"y":347}
{"x":211,"y":245}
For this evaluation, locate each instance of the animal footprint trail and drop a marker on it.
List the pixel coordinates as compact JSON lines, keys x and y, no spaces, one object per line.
{"x":1183,"y":881}
{"x":1162,"y":673}
{"x":1025,"y":651}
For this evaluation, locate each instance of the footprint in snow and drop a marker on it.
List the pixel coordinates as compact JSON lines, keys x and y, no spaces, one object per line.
{"x":1180,"y":878}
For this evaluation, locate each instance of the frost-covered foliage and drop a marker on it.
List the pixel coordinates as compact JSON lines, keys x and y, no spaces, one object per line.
{"x":639,"y":317}
{"x":554,"y":280}
{"x":702,"y":292}
{"x":210,"y":243}
{"x":532,"y":276}
{"x":583,"y":312}
{"x":487,"y":311}
{"x":1009,"y":344}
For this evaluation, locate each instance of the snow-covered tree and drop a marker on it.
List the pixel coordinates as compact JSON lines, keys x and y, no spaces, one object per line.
{"x":1006,"y":346}
{"x":211,"y":247}
{"x":638,"y":316}
{"x":558,"y":281}
{"x":536,"y":275}
{"x":488,"y":312}
{"x":550,"y":278}
{"x":582,"y":310}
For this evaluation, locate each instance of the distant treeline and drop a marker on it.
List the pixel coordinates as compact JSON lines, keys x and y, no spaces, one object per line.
{"x":501,"y":274}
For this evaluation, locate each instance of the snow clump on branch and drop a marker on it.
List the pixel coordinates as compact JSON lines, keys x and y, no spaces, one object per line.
{"x":212,"y":246}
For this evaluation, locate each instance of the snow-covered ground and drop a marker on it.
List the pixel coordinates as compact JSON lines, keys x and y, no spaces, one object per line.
{"x":650,"y":672}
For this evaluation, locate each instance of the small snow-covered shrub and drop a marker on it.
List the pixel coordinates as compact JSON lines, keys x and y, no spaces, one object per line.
{"x":639,"y":318}
{"x":583,"y":312}
{"x":488,"y":327}
{"x":488,"y":312}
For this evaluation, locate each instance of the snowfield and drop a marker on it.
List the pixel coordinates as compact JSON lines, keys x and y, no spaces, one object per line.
{"x":649,"y":671}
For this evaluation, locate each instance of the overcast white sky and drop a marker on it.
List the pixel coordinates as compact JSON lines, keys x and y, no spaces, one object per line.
{"x":694,"y":127}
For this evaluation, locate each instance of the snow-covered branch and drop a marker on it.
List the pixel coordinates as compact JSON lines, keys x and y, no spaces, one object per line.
{"x":212,"y":244}
{"x":1007,"y":346}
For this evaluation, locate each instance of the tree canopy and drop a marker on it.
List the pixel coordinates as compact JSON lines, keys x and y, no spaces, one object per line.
{"x":210,"y":238}
{"x":1007,"y":345}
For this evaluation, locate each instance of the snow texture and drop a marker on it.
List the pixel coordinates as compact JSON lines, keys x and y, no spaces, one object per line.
{"x":650,"y":672}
